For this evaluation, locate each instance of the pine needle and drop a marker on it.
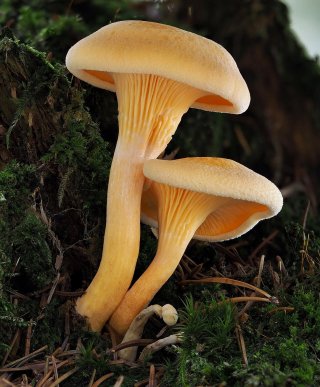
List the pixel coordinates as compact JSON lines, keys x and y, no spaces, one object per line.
{"x":235,"y":300}
{"x":102,"y":379}
{"x":226,"y":281}
{"x":64,"y":377}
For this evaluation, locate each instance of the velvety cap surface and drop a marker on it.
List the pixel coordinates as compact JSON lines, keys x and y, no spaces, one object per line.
{"x":251,"y":197}
{"x":151,"y":48}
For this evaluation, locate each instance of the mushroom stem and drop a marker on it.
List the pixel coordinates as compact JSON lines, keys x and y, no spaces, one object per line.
{"x":121,"y":242}
{"x":158,"y":345}
{"x":150,"y":109}
{"x":180,"y":213}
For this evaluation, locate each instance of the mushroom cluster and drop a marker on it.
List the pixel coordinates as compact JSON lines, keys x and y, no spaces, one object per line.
{"x":158,"y":72}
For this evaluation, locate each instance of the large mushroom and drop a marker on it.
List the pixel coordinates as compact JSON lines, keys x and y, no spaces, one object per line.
{"x":212,"y":199}
{"x":157,"y":72}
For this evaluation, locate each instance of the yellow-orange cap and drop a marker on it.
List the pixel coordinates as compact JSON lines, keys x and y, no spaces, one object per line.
{"x":142,"y":47}
{"x":252,"y":196}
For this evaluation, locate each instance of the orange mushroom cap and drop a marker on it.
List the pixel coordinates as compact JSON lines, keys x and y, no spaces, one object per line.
{"x":141,"y":47}
{"x":251,"y":197}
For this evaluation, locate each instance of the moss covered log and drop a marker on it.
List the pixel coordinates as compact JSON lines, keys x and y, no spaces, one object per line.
{"x":53,"y":180}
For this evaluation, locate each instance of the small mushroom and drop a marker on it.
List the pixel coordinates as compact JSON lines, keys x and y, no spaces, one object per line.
{"x":211,"y":199}
{"x":167,"y":312}
{"x":157,"y":72}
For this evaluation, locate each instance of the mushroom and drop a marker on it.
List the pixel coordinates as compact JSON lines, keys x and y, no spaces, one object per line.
{"x":168,"y":314}
{"x":211,"y":199}
{"x":157,"y":72}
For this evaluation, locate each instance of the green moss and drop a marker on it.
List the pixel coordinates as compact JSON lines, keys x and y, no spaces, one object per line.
{"x":260,"y":374}
{"x":65,"y":190}
{"x":277,"y":365}
{"x":22,"y":235}
{"x":281,"y":347}
{"x":25,"y":257}
{"x":30,"y":244}
{"x":207,"y":343}
{"x":55,"y":26}
{"x":94,"y":356}
{"x":16,"y":183}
